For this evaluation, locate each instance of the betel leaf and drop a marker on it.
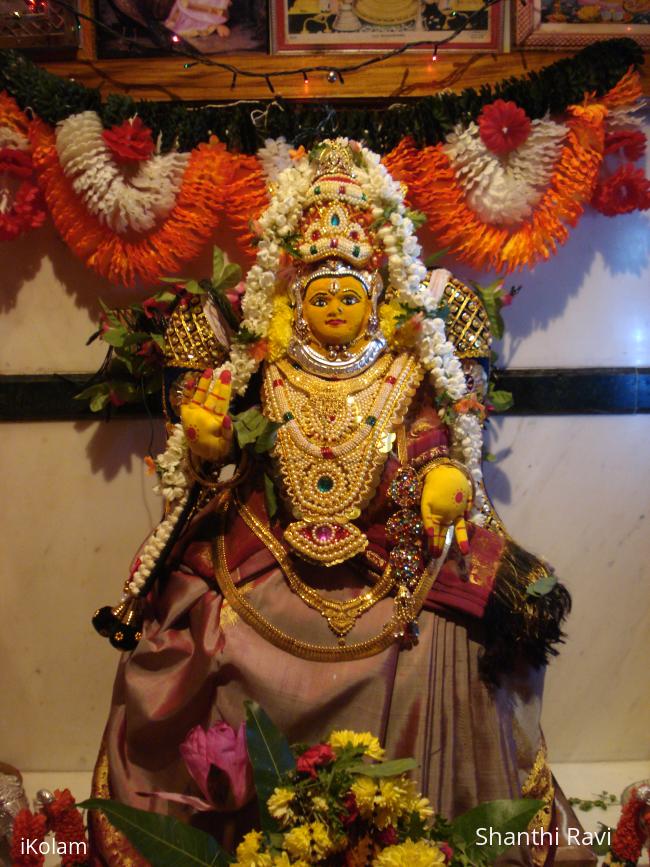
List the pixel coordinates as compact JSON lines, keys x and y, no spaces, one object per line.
{"x":230,"y":276}
{"x":162,"y":840}
{"x":270,"y":756}
{"x":383,"y":769}
{"x":542,"y":587}
{"x":500,"y":817}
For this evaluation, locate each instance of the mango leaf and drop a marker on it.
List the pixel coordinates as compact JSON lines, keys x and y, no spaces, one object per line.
{"x":270,"y":756}
{"x":266,"y":440}
{"x":501,"y":817}
{"x":163,"y":840}
{"x":542,"y":586}
{"x":383,"y":769}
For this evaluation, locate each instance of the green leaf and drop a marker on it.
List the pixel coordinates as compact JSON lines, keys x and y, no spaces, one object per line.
{"x":266,"y":440}
{"x":417,"y":218}
{"x":492,"y":298}
{"x":542,"y":587}
{"x":432,"y":260}
{"x":249,"y":425}
{"x":218,"y":264}
{"x":180,"y":281}
{"x":163,"y":840}
{"x":230,"y":277}
{"x":270,"y":496}
{"x":115,"y":336}
{"x":270,"y":756}
{"x":500,"y":400}
{"x":503,"y":817}
{"x":194,"y":288}
{"x":383,"y":769}
{"x":99,"y":401}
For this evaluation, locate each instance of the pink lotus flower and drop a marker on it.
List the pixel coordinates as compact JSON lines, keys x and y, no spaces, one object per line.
{"x":218,"y":763}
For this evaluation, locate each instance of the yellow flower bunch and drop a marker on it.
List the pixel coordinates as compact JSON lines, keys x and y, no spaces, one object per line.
{"x":279,"y":805}
{"x":339,"y":740}
{"x":410,"y":854}
{"x":249,"y":853}
{"x":281,"y":327}
{"x":310,"y":842}
{"x":385,"y":801}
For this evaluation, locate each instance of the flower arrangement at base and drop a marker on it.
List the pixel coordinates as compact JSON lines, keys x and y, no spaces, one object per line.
{"x":337,"y":803}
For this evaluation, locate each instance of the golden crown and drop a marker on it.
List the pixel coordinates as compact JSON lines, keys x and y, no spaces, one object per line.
{"x":336,"y":217}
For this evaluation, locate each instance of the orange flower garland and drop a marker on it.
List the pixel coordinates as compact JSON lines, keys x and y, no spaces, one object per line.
{"x":145,"y":258}
{"x":245,"y":200}
{"x":435,"y":190}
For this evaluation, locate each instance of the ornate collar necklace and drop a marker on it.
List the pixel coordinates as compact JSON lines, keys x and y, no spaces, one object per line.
{"x":343,"y":365}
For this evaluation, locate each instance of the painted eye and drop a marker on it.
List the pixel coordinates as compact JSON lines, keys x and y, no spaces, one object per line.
{"x":350,"y":300}
{"x":319,"y":301}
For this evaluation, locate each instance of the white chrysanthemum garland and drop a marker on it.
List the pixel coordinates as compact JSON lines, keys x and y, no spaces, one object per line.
{"x":503,"y":189}
{"x":173,"y":484}
{"x":136,"y":201}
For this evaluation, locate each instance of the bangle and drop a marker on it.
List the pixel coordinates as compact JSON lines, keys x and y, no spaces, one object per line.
{"x":198,"y":475}
{"x":447,"y":462}
{"x":430,"y":455}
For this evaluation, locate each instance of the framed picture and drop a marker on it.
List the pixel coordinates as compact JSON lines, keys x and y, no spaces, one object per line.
{"x":376,"y":25}
{"x":575,"y":23}
{"x":38,"y":26}
{"x":151,"y":27}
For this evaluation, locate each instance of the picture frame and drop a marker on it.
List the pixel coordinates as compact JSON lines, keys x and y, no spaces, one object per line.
{"x":302,"y":26}
{"x":39,"y":27}
{"x":565,"y":24}
{"x":153,"y":27}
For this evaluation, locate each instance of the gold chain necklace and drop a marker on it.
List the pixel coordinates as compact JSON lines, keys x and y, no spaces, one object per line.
{"x":340,"y":615}
{"x":306,"y":649}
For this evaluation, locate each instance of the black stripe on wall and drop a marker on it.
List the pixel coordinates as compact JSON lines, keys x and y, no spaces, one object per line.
{"x":555,"y":391}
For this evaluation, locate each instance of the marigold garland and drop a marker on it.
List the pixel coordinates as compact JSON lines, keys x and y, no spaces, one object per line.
{"x":245,"y":200}
{"x":144,"y":258}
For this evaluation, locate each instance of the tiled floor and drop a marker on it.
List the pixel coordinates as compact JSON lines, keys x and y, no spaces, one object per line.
{"x":580,"y":780}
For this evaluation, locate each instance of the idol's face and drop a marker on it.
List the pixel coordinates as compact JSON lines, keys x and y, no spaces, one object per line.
{"x":336,"y":309}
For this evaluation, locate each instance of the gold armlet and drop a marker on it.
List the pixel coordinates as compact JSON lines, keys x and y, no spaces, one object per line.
{"x":429,"y":456}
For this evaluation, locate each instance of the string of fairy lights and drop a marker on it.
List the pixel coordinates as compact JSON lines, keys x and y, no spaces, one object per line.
{"x":334,"y":74}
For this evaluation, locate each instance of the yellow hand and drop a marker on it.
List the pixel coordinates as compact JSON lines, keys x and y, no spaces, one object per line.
{"x":446,"y":497}
{"x":203,"y":414}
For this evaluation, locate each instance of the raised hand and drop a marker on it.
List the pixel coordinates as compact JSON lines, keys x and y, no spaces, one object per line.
{"x":204,"y":409}
{"x":446,"y":498}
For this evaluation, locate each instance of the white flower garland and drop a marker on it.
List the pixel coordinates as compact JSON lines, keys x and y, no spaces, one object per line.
{"x":275,"y":156}
{"x":173,"y":484}
{"x":126,"y":200}
{"x":503,"y":190}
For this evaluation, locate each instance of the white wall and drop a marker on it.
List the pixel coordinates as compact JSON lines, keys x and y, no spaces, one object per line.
{"x":574,"y":489}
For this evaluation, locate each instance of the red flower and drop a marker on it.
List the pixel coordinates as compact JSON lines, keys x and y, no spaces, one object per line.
{"x":259,"y":349}
{"x":16,"y":161}
{"x":446,"y":850}
{"x":150,"y":306}
{"x":352,"y":810}
{"x":26,"y":212}
{"x":27,"y":826}
{"x":388,"y":837}
{"x":503,"y":126}
{"x":314,"y":757}
{"x":129,"y":142}
{"x":631,"y":143}
{"x":627,"y":189}
{"x":67,"y":823}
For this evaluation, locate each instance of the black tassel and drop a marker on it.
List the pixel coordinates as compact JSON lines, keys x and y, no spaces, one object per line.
{"x":519,"y":626}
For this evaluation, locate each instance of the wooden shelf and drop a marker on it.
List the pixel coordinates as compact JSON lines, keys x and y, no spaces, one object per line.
{"x":412,"y":75}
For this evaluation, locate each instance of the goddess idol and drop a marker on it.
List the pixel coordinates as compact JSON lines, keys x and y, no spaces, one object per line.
{"x":338,"y":561}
